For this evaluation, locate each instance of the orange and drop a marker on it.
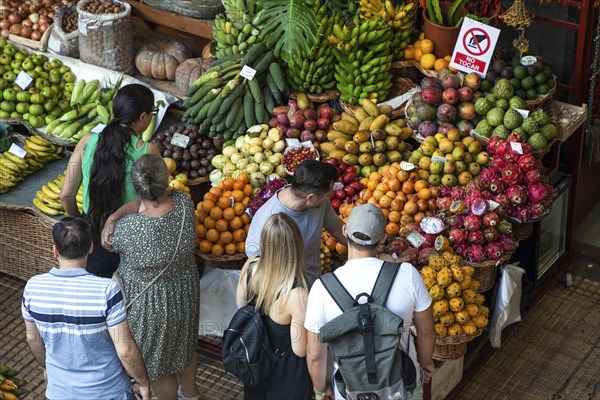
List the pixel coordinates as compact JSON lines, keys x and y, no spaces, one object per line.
{"x":221,"y":225}
{"x":383,"y":187}
{"x":410,"y":208}
{"x":216,"y":190}
{"x":210,"y":196}
{"x":420,"y":184}
{"x":409,"y":52}
{"x":239,"y":208}
{"x":201,"y":229}
{"x":406,"y":219}
{"x":217,"y":250}
{"x":239,"y":235}
{"x":440,"y":64}
{"x":394,"y":216}
{"x":212,"y":235}
{"x":246,"y":201}
{"x":238,"y":185}
{"x":426,"y":46}
{"x":200,"y":215}
{"x":236,"y":223}
{"x":408,"y":187}
{"x":385,"y":170}
{"x":394,"y":171}
{"x":402,"y":175}
{"x":377,"y":194}
{"x":247,"y":228}
{"x":241,"y":247}
{"x":417,"y":44}
{"x":376,"y":176}
{"x":385,"y":201}
{"x":237,"y":195}
{"x":207,"y":205}
{"x":224,"y":202}
{"x":392,"y":229}
{"x":391,"y":194}
{"x":216,"y":213}
{"x":205,"y":246}
{"x":394,"y":184}
{"x":372,"y":200}
{"x":427,"y":61}
{"x":386,"y":213}
{"x":367,"y":194}
{"x":448,"y":58}
{"x":424,"y":194}
{"x":243,"y":177}
{"x":226,"y":183}
{"x":397,"y":205}
{"x":227,"y":193}
{"x":210,"y":222}
{"x":418,"y":54}
{"x":248,"y":190}
{"x":452,"y":69}
{"x":226,"y":237}
{"x":246,"y":218}
{"x":435,"y":191}
{"x":418,"y":217}
{"x":231,"y":248}
{"x":372,"y":184}
{"x":229,"y":213}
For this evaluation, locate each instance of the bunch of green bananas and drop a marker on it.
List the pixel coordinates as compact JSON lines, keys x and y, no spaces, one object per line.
{"x":14,"y":169}
{"x":364,"y":59}
{"x":225,"y":104}
{"x":90,"y":106}
{"x":399,"y":17}
{"x":232,"y":39}
{"x":47,"y":199}
{"x":313,"y":72}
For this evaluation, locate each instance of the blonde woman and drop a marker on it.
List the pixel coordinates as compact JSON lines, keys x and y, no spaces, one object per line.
{"x":276,"y":284}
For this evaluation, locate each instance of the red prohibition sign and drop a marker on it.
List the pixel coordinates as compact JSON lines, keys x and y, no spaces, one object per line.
{"x":474,"y":38}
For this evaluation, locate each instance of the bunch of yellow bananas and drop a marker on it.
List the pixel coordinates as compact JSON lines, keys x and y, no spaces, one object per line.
{"x":10,"y":386}
{"x":47,"y":199}
{"x":38,"y":152}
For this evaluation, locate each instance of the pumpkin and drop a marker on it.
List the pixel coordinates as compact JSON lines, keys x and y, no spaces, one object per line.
{"x":190,"y":70}
{"x":159,"y":59}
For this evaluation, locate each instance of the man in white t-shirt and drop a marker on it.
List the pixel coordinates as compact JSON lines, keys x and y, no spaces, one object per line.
{"x":306,"y":200}
{"x":408,"y":298}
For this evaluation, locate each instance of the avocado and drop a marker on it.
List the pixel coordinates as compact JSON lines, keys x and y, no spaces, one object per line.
{"x":540,"y":78}
{"x":531,"y":94}
{"x":515,"y":83}
{"x":498,"y":65}
{"x":532,"y":70}
{"x":491,"y":75}
{"x":520,"y":72}
{"x":507,"y":72}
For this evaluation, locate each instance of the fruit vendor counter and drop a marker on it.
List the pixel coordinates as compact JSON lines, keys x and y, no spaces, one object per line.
{"x":25,"y":232}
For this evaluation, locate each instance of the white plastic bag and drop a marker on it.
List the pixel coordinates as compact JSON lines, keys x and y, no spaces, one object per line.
{"x":217,"y":300}
{"x":508,"y":302}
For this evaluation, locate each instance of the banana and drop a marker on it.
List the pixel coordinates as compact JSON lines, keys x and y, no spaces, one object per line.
{"x":48,"y":193}
{"x":45,"y":209}
{"x":17,"y":160}
{"x":49,"y":202}
{"x":35,"y":146}
{"x":6,"y":183}
{"x":54,"y":187}
{"x":41,"y":141}
{"x":9,"y":177}
{"x":8,"y":166}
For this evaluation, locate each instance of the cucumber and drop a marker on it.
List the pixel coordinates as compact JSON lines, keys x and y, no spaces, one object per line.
{"x":274,"y":89}
{"x":269,"y":100}
{"x":278,"y":76}
{"x":231,"y":98}
{"x":235,"y":109}
{"x":259,"y":112}
{"x":249,"y":115}
{"x":263,"y":63}
{"x":253,"y":53}
{"x":214,"y":107}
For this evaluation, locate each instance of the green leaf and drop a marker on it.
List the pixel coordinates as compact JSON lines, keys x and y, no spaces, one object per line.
{"x":289,"y":26}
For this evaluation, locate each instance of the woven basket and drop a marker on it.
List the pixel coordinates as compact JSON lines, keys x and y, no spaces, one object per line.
{"x":480,"y":138}
{"x":522,"y":230}
{"x":450,"y":348}
{"x":226,"y":261}
{"x":405,"y":68}
{"x":196,"y":9}
{"x":25,"y":244}
{"x":485,"y":272}
{"x":426,"y":72}
{"x":534,"y":104}
{"x":40,"y":45}
{"x":539,"y":154}
{"x":322,"y":97}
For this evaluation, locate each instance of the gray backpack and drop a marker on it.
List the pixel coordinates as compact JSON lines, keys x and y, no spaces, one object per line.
{"x":365,"y":342}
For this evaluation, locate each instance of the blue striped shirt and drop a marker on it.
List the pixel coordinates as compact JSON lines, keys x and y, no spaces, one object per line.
{"x":72,"y":310}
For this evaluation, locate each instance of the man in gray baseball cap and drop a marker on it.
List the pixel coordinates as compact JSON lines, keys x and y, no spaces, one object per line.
{"x":408,"y":298}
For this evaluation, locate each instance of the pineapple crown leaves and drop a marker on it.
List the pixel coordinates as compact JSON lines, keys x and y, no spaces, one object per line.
{"x":289,"y":26}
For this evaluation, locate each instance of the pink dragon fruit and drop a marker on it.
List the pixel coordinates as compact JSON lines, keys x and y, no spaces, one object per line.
{"x":497,"y":185}
{"x":513,"y":137}
{"x":533,"y":176}
{"x":443,"y":202}
{"x":492,"y":143}
{"x":522,"y":213}
{"x":527,"y":149}
{"x":538,"y":165}
{"x":475,"y":237}
{"x":511,"y":174}
{"x":508,"y":242}
{"x":491,"y":219}
{"x":429,"y":241}
{"x":536,"y":210}
{"x":536,"y":192}
{"x":457,"y":193}
{"x":472,"y":223}
{"x":457,"y":236}
{"x":410,"y":255}
{"x":505,"y":227}
{"x":526,"y":162}
{"x":502,"y":199}
{"x":549,"y":190}
{"x":494,"y":250}
{"x":476,"y":253}
{"x":502,"y":148}
{"x":455,"y":221}
{"x":478,"y":205}
{"x":487,"y":195}
{"x":491,"y":234}
{"x":445,"y":191}
{"x":511,"y":156}
{"x":497,"y":164}
{"x":487,"y":174}
{"x":516,"y":194}
{"x":473,"y":185}
{"x":462,"y":249}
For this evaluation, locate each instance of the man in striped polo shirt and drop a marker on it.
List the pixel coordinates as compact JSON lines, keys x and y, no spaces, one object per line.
{"x":77,"y":325}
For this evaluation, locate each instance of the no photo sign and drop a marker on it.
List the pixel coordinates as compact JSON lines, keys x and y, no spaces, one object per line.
{"x":474,"y":47}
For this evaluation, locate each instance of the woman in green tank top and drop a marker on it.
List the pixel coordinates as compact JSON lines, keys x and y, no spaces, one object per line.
{"x":102,"y":163}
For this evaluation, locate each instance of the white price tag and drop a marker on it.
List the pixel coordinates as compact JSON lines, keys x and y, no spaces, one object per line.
{"x":338,"y":186}
{"x":415,"y":239}
{"x":396,"y":102}
{"x":439,"y":159}
{"x":524,"y":113}
{"x":23,"y":80}
{"x":82,"y":27}
{"x":292,"y":142}
{"x":493,"y":205}
{"x":247,"y":72}
{"x":407,"y":166}
{"x":17,"y":151}
{"x":98,"y":128}
{"x":180,"y":140}
{"x":528,"y":60}
{"x":516,"y":146}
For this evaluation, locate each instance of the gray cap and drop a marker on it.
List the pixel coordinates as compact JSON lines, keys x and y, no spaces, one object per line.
{"x":366,"y":225}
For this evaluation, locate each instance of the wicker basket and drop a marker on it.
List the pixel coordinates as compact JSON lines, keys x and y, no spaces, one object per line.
{"x":405,"y":68}
{"x":534,"y":104}
{"x":539,"y":154}
{"x":322,"y":97}
{"x":40,"y":45}
{"x":480,"y":138}
{"x":25,"y":244}
{"x":485,"y":272}
{"x":401,"y":86}
{"x":450,"y":348}
{"x":226,"y":261}
{"x":426,"y":72}
{"x":522,"y":230}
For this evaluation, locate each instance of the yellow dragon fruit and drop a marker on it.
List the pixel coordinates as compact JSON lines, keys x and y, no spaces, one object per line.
{"x":429,"y":282}
{"x":468,"y":270}
{"x":479,"y":299}
{"x":480,"y":321}
{"x":456,"y":304}
{"x":466,"y":282}
{"x":441,"y":330}
{"x":436,"y":318}
{"x":461,"y":317}
{"x":440,"y":307}
{"x":428,"y":272}
{"x":436,"y":293}
{"x":455,"y":330}
{"x":447,"y":319}
{"x":453,"y":290}
{"x":469,"y":328}
{"x":457,"y":273}
{"x":472,"y":310}
{"x":444,"y":277}
{"x":452,"y":258}
{"x":437,"y":262}
{"x":483,"y":310}
{"x":469,"y":296}
{"x":474,"y":286}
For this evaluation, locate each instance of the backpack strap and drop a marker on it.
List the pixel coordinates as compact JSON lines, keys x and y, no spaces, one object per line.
{"x":384,"y":282}
{"x":337,"y":291}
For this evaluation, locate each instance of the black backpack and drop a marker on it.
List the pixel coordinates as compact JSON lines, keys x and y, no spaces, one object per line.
{"x":365,"y":341}
{"x":247,"y":350}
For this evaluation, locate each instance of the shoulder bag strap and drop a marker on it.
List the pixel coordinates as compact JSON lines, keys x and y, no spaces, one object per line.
{"x":337,"y":291}
{"x":385,"y":281}
{"x":168,"y":265}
